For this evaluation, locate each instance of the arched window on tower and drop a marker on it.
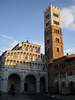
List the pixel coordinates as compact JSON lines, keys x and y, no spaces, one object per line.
{"x":57,"y":39}
{"x":57,"y":49}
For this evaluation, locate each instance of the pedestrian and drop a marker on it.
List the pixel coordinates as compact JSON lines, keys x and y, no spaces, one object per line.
{"x":52,"y":95}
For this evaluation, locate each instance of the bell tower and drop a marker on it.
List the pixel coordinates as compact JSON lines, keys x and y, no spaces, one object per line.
{"x":53,"y":33}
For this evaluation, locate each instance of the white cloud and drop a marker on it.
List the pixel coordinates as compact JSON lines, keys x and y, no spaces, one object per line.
{"x":14,"y":42}
{"x":70,"y":51}
{"x":10,"y":44}
{"x":5,"y":36}
{"x":68,"y":17}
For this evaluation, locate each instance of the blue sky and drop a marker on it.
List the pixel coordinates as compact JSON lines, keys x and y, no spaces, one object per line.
{"x":22,"y":19}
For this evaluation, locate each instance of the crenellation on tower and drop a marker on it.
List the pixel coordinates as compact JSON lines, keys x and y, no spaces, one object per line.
{"x":54,"y":7}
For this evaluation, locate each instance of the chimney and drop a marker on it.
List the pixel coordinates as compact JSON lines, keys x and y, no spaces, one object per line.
{"x":67,"y":54}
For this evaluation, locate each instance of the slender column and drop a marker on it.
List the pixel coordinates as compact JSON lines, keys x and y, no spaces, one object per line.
{"x":66,"y":80}
{"x":22,"y":86}
{"x":5,"y":85}
{"x":37,"y":86}
{"x":46,"y":85}
{"x":33,"y":57}
{"x":59,"y":87}
{"x":33,"y":49}
{"x":28,"y":56}
{"x":28,"y":48}
{"x":20,"y":55}
{"x":23,"y":55}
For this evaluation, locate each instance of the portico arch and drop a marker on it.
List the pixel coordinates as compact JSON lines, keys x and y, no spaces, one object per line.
{"x":71,"y":85}
{"x":42,"y":84}
{"x":14,"y":82}
{"x":30,"y":84}
{"x":56,"y":87}
{"x":62,"y":85}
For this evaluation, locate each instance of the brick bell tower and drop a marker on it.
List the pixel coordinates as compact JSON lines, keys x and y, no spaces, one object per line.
{"x":53,"y":33}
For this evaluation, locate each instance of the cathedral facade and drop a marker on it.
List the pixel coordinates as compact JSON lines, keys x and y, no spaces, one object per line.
{"x":24,"y":69}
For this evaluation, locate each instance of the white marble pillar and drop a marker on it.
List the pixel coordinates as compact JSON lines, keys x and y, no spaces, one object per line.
{"x":33,"y":57}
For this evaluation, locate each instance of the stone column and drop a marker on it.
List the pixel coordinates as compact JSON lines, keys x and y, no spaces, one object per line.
{"x":28,"y":56}
{"x":66,"y":80}
{"x":4,"y":85}
{"x":22,"y":86}
{"x":33,"y":49}
{"x":59,"y":86}
{"x":33,"y":57}
{"x":37,"y":86}
{"x":46,"y":85}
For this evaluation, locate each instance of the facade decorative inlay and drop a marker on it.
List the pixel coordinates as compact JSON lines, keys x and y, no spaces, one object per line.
{"x":24,"y":69}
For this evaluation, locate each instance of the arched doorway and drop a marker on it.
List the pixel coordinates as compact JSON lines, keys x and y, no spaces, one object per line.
{"x":62,"y":85}
{"x":71,"y":86}
{"x":14,"y":82}
{"x":56,"y":87}
{"x":30,"y":84}
{"x":42,"y":84}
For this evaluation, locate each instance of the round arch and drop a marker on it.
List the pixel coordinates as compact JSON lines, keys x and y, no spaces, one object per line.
{"x":56,"y":87}
{"x":13,"y":82}
{"x":30,"y":83}
{"x":62,"y":85}
{"x":42,"y":84}
{"x":31,"y":73}
{"x":71,"y":86}
{"x":14,"y":72}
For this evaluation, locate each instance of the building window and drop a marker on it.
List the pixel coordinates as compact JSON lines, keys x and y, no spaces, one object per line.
{"x":57,"y":39}
{"x":48,"y":41}
{"x":56,"y":67}
{"x":47,"y":32}
{"x":62,"y":74}
{"x":56,"y":31}
{"x":70,"y":73}
{"x":47,"y":24}
{"x":56,"y":75}
{"x":54,"y":14}
{"x":62,"y":65}
{"x":55,"y":22}
{"x":48,"y":54}
{"x":43,"y":68}
{"x":57,"y":49}
{"x":47,"y":16}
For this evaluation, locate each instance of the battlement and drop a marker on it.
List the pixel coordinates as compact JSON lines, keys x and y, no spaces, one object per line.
{"x":54,"y":7}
